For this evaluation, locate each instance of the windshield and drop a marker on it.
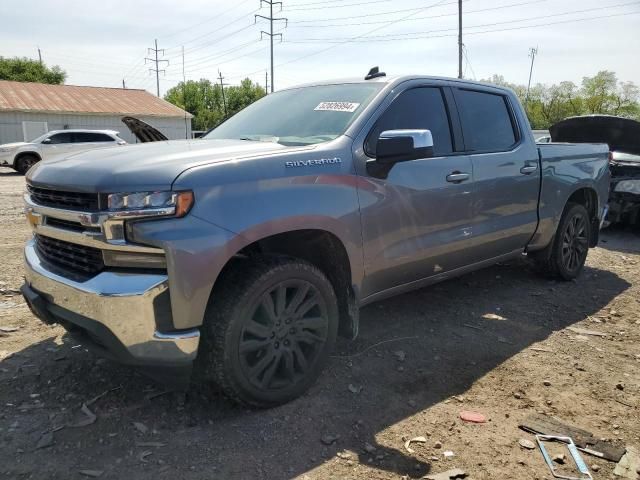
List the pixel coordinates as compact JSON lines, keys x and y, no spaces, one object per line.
{"x":40,"y":138}
{"x":300,"y":116}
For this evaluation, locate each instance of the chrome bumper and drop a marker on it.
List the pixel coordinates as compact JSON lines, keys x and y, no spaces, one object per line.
{"x":122,"y":303}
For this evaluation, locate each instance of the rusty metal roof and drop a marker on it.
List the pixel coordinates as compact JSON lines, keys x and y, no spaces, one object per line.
{"x":41,"y":97}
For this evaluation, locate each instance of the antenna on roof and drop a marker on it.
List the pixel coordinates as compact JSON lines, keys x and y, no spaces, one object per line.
{"x":375,"y":73}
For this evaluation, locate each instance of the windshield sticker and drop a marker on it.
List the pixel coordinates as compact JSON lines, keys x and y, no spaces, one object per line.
{"x":337,"y":107}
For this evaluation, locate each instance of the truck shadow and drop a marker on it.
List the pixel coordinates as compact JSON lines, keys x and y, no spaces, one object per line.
{"x":415,"y":351}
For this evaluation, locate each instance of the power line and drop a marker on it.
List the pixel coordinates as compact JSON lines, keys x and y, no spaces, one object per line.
{"x":270,"y":33}
{"x":157,"y":61}
{"x":217,"y":15}
{"x":421,"y":33}
{"x":412,"y":19}
{"x":336,"y":6}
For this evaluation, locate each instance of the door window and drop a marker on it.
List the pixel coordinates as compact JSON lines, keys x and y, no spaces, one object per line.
{"x":418,"y":108}
{"x":90,"y":137}
{"x":487,"y":125}
{"x":60,"y":138}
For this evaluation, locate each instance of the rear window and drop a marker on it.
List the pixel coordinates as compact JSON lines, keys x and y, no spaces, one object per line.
{"x":487,"y":124}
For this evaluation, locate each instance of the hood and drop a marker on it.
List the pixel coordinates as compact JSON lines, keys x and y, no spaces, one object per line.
{"x":143,"y":131}
{"x":13,"y":145}
{"x":142,"y":167}
{"x":621,"y":134}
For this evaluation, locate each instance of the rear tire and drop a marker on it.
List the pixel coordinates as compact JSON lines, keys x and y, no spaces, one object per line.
{"x":268,"y":330}
{"x":565,"y":257}
{"x":25,"y":162}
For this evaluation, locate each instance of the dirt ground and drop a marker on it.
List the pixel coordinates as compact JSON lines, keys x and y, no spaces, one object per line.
{"x":495,"y":342}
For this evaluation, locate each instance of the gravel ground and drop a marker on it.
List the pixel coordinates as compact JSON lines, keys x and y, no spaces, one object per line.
{"x":495,"y":342}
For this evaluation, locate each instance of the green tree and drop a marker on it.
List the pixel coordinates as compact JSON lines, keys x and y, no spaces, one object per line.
{"x":600,"y":94}
{"x":203,"y":99}
{"x":27,"y":70}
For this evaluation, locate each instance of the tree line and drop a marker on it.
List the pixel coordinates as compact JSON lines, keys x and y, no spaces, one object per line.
{"x":601,"y":94}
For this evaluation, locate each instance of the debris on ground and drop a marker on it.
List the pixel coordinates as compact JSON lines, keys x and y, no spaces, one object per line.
{"x":409,"y":441}
{"x":369,"y":448}
{"x":344,"y":455}
{"x":584,"y":331}
{"x":141,"y":427}
{"x":143,"y":455}
{"x":629,"y":464}
{"x":91,"y":473}
{"x":560,"y":458}
{"x":329,"y":439}
{"x":86,"y":418}
{"x":400,"y":355}
{"x":493,"y":316}
{"x":583,"y":439}
{"x":448,"y":454}
{"x":528,"y":444}
{"x":5,"y":329}
{"x":355,"y":389}
{"x":46,"y":440}
{"x":448,"y":475}
{"x":473,"y":417}
{"x":150,"y":444}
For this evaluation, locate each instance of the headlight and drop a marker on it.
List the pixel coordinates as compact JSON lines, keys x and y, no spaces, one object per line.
{"x":629,"y":186}
{"x":177,"y":203}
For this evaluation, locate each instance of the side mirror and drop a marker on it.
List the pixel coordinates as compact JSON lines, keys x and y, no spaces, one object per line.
{"x":46,"y":141}
{"x":403,"y":145}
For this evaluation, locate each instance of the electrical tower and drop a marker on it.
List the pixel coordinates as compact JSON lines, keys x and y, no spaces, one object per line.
{"x":532,"y":54}
{"x":224,"y":102}
{"x":270,"y":33}
{"x":157,"y":62}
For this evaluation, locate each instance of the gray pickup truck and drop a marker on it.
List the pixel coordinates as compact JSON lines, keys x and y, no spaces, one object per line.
{"x":238,"y":258}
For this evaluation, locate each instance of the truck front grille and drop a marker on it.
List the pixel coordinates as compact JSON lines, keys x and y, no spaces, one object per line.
{"x":71,"y":256}
{"x":61,"y":199}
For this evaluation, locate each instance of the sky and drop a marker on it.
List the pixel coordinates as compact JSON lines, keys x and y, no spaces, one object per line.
{"x":102,"y":43}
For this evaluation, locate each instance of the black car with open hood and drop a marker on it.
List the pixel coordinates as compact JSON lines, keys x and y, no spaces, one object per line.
{"x":623,"y":137}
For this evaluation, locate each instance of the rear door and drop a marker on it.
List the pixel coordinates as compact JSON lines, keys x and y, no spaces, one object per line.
{"x":415,"y":220}
{"x":505,"y":171}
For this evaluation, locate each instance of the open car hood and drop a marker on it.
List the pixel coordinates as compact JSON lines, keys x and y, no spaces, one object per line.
{"x":143,"y":131}
{"x":621,"y":134}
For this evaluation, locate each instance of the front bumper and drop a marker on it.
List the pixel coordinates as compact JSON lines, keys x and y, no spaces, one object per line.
{"x":115,"y":312}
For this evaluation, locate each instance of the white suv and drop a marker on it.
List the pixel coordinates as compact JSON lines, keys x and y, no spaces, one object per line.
{"x":23,"y":155}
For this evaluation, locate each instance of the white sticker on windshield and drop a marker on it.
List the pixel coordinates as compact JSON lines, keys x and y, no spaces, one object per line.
{"x":337,"y":107}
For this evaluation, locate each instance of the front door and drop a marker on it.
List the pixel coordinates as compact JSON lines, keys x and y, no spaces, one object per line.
{"x":506,"y":173}
{"x":416,"y":218}
{"x":56,"y":145}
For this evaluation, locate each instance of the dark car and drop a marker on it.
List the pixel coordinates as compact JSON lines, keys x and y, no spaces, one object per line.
{"x":623,"y":137}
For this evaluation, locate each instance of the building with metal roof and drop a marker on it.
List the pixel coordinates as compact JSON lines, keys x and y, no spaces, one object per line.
{"x":27,"y":110}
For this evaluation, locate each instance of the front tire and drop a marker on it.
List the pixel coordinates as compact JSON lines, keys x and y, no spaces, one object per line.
{"x":567,"y":253}
{"x":268,"y":330}
{"x":25,"y":162}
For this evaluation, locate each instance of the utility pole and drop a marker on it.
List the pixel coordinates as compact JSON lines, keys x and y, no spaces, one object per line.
{"x":157,"y":62}
{"x":124,"y":86}
{"x":270,"y":33}
{"x":532,"y":54}
{"x":184,"y":97}
{"x":224,"y":103}
{"x":266,"y":82}
{"x":459,"y":38}
{"x":40,"y":55}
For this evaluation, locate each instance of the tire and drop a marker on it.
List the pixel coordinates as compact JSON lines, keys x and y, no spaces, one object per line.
{"x":567,"y":253}
{"x":25,"y":162}
{"x":268,"y":331}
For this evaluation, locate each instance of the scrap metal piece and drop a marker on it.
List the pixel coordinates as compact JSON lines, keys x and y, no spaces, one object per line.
{"x":573,"y":450}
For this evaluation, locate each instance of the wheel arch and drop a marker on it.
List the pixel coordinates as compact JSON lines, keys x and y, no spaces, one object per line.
{"x":320,"y":247}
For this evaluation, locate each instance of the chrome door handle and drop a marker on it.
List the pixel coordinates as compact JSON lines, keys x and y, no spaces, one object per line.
{"x":529,"y":168}
{"x":457,"y":177}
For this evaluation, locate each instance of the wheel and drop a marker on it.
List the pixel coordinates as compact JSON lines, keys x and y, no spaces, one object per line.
{"x":565,"y":256}
{"x":25,"y":162}
{"x":268,"y":330}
